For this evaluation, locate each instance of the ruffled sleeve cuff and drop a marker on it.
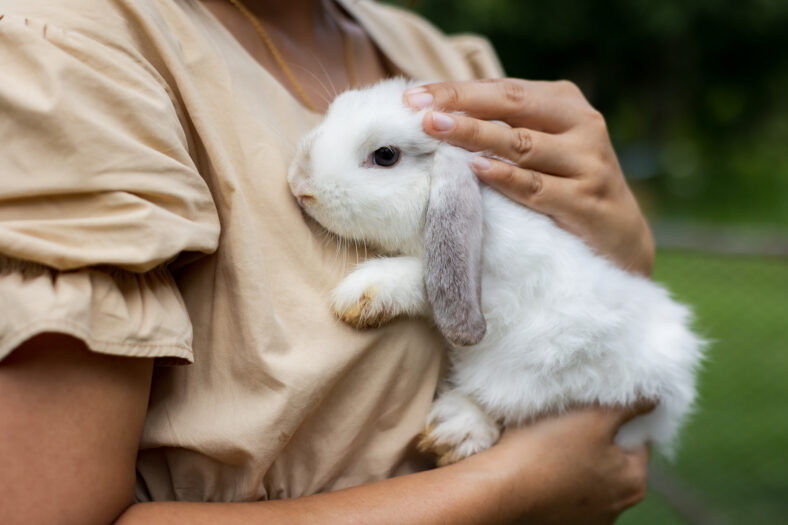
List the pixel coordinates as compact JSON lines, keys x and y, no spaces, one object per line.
{"x":113,"y":311}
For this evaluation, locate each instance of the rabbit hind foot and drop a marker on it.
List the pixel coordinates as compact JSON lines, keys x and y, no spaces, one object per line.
{"x":457,"y":428}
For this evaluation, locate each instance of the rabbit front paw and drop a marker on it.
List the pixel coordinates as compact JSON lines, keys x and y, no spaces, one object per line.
{"x":361,"y":307}
{"x":457,"y":428}
{"x":380,"y":290}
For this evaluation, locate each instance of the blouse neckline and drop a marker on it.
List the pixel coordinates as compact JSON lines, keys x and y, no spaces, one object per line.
{"x":380,"y":44}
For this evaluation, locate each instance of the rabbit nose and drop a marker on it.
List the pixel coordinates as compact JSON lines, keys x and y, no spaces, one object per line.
{"x":299,"y":183}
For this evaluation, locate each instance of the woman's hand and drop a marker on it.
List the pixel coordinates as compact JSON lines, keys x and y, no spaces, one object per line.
{"x":567,"y":469}
{"x":563,"y":163}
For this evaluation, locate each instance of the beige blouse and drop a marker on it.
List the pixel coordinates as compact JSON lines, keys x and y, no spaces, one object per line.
{"x":144,"y":209}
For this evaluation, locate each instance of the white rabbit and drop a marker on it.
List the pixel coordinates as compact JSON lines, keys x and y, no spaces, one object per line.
{"x":536,"y":321}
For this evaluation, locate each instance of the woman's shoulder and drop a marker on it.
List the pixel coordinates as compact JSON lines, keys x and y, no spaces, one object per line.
{"x":127,"y":42}
{"x":85,"y":80}
{"x":101,"y":20}
{"x":420,"y":48}
{"x":88,"y":27}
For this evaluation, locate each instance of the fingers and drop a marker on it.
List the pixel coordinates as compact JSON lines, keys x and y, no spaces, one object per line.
{"x":620,"y":415}
{"x":637,"y":468}
{"x":639,"y":457}
{"x":539,"y":191}
{"x":554,"y":132}
{"x":545,"y":152}
{"x":612,"y":418}
{"x":639,"y":408}
{"x":546,"y":106}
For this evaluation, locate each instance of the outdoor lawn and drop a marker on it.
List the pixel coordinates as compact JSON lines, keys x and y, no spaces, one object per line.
{"x":732,"y":464}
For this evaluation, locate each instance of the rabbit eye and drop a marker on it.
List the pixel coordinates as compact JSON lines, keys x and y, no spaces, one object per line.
{"x":385,"y":156}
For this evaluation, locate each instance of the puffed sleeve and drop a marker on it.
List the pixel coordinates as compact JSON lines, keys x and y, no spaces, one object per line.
{"x":98,"y":191}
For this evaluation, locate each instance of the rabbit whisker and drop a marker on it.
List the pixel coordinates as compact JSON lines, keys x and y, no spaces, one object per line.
{"x":326,"y":97}
{"x":333,"y":93}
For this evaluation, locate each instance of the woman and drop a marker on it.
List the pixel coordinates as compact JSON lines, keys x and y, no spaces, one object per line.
{"x":141,"y":136}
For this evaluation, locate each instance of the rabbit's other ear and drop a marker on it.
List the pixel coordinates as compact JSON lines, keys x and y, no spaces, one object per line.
{"x":452,"y":248}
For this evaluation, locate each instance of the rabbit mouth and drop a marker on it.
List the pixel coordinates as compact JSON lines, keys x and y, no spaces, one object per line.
{"x":305,"y":199}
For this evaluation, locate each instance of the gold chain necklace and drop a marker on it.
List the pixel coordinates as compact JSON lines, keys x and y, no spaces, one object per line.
{"x":269,"y":44}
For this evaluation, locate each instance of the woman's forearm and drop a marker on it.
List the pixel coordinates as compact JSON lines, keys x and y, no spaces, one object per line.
{"x":465,"y":493}
{"x":564,"y":469}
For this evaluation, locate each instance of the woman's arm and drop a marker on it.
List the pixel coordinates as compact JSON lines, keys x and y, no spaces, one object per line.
{"x":71,"y":422}
{"x":563,"y":163}
{"x":560,"y":470}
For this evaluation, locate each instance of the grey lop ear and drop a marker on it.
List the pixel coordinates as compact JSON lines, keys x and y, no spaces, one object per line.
{"x":452,"y":248}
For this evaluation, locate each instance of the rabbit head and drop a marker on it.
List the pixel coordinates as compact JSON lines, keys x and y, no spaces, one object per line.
{"x":363,"y":173}
{"x":369,"y":172}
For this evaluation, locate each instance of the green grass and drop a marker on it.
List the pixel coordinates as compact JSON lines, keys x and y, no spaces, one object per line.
{"x":733,"y":455}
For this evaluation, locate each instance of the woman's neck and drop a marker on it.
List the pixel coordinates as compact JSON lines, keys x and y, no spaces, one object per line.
{"x":311,"y":36}
{"x":288,"y":8}
{"x":305,"y":21}
{"x":300,"y":18}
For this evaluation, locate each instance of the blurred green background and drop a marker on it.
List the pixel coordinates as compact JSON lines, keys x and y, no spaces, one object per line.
{"x":695,"y":93}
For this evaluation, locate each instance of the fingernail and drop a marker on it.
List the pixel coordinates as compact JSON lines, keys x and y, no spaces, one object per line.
{"x":442,"y":122}
{"x":480,"y":164}
{"x":418,"y":98}
{"x":414,"y":90}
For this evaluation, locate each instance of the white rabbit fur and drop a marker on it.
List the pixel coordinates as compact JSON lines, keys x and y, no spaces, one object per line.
{"x":564,"y":326}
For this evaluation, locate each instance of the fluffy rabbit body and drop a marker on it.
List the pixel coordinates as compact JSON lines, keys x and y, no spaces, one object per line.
{"x":536,"y":321}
